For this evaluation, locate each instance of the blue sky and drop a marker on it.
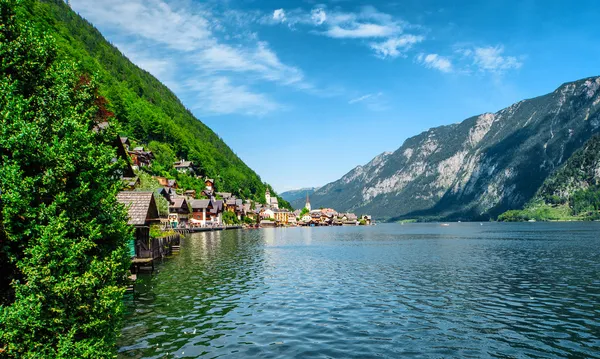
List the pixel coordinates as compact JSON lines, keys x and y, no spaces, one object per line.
{"x":304,"y":91}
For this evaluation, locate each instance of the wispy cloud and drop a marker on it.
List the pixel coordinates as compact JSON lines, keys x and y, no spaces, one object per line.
{"x":217,"y":95}
{"x":368,"y":23}
{"x":490,"y":59}
{"x":392,"y":47}
{"x":186,"y":42}
{"x":373,"y":101}
{"x":279,"y":15}
{"x":435,"y":61}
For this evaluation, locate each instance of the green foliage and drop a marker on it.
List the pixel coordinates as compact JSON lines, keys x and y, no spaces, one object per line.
{"x":362,"y":222}
{"x":230,"y":218}
{"x":156,"y":231}
{"x":148,"y":183}
{"x":571,"y":193}
{"x":304,"y":211}
{"x":64,"y":237}
{"x":147,"y":110}
{"x":248,"y":220}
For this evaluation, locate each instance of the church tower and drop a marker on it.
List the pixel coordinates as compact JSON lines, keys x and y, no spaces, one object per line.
{"x":268,"y":197}
{"x":307,"y":205}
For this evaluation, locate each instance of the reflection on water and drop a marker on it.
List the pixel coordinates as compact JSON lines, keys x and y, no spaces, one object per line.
{"x":419,"y":290}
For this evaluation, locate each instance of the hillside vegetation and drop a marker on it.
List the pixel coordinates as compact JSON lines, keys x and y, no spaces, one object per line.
{"x":146,"y":110}
{"x":571,"y":193}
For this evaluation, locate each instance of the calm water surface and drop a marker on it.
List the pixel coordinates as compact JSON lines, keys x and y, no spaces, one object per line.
{"x":528,"y":290}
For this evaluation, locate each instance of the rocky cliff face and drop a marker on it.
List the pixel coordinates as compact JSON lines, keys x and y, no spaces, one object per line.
{"x":475,"y":169}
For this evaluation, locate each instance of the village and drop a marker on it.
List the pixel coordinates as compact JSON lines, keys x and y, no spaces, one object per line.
{"x":161,"y":215}
{"x":209,"y":209}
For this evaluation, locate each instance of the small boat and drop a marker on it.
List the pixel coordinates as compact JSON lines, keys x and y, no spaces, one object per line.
{"x":445,"y":225}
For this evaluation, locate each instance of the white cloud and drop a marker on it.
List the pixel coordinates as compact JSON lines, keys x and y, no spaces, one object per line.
{"x":279,"y":15}
{"x":318,"y":16}
{"x":392,"y":46}
{"x":490,"y":59}
{"x":359,"y":99}
{"x":260,"y":60}
{"x":185,"y":41}
{"x":218,"y":95}
{"x":435,"y":61}
{"x":373,"y":101}
{"x":361,"y":31}
{"x":367,"y":23}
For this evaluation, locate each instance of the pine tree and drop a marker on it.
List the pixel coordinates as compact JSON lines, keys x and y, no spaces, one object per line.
{"x":63,"y":236}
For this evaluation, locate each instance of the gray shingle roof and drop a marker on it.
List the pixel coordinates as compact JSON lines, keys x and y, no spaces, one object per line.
{"x":199,"y":204}
{"x":140,"y":206}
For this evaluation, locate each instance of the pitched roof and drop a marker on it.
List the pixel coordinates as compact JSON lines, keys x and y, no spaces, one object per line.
{"x":179,"y":203}
{"x":217,"y":206}
{"x":230,"y":202}
{"x":225,"y":195}
{"x":183,"y":164}
{"x":200,"y":204}
{"x":140,"y":205}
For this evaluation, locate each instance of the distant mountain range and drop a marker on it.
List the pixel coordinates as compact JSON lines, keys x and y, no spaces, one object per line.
{"x":476,"y":169}
{"x":298,"y":195}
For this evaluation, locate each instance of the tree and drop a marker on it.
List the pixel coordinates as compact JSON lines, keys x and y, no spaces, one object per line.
{"x":303,"y":212}
{"x":63,"y":235}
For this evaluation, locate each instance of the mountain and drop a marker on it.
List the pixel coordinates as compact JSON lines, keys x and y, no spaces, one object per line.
{"x":297,"y":197}
{"x":475,"y":169}
{"x":146,"y":110}
{"x":571,"y":192}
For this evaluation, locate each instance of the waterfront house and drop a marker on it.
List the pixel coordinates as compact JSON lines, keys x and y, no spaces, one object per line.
{"x":201,"y":211}
{"x":280,"y":216}
{"x":179,"y":212}
{"x":267,"y":224}
{"x":217,"y":211}
{"x":315,"y":217}
{"x":366,"y":219}
{"x":142,"y":212}
{"x":267,"y":213}
{"x":306,"y":218}
{"x":240,"y":210}
{"x":291,"y":219}
{"x":230,"y":205}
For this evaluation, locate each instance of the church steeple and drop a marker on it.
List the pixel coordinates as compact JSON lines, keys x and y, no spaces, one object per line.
{"x":268,"y":196}
{"x":307,"y":205}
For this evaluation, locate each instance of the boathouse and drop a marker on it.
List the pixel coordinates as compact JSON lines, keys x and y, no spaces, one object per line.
{"x":142,"y":210}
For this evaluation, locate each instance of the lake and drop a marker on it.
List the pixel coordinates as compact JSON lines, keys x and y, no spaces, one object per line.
{"x":467,"y":290}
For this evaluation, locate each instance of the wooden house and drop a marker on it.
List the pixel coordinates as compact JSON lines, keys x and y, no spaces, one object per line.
{"x":201,"y":212}
{"x":179,"y":212}
{"x":142,"y":211}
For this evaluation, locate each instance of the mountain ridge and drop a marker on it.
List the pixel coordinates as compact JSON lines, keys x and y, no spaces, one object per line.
{"x":475,"y":169}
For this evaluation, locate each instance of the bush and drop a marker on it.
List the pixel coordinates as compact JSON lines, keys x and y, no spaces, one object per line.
{"x":64,"y":237}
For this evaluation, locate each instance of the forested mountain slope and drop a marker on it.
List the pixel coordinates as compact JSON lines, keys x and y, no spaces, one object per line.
{"x":476,"y":169}
{"x":147,"y":111}
{"x":571,"y":192}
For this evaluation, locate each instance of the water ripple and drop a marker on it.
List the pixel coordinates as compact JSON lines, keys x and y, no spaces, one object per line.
{"x":423,"y":291}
